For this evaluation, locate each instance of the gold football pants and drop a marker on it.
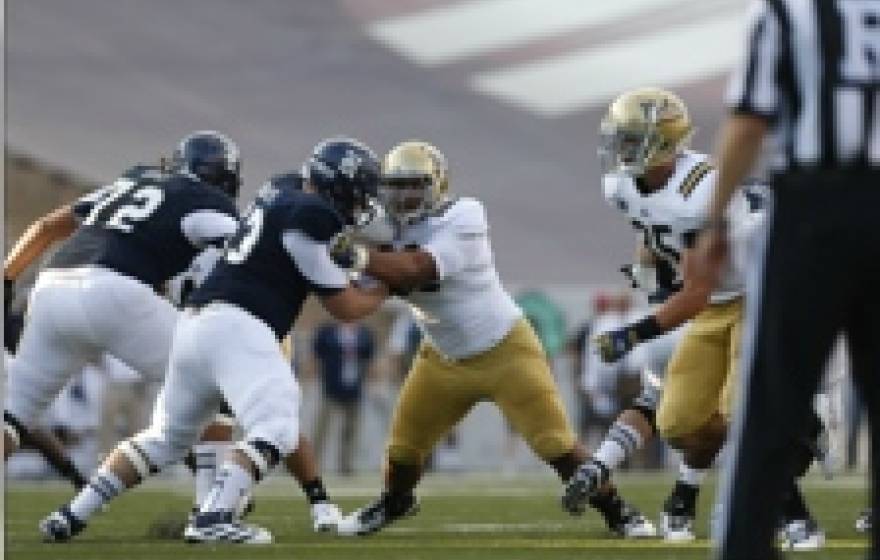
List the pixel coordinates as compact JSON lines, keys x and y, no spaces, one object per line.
{"x":701,"y":374}
{"x":439,"y":392}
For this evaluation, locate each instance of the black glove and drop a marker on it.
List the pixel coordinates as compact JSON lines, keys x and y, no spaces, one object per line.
{"x":614,"y":345}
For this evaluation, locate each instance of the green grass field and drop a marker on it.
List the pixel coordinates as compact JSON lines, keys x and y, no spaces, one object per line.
{"x":462,"y":517}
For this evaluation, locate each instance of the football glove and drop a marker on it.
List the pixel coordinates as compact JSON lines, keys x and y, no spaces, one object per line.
{"x":614,"y":345}
{"x":348,"y":254}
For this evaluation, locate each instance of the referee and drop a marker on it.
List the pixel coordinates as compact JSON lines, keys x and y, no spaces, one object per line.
{"x":811,"y":80}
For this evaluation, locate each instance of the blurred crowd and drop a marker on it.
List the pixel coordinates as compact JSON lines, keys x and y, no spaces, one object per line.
{"x":351,"y":374}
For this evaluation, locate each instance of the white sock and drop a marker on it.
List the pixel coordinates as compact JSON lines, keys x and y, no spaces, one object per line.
{"x":621,"y":442}
{"x":691,"y":476}
{"x":102,"y":487}
{"x":231,"y":483}
{"x":207,"y":457}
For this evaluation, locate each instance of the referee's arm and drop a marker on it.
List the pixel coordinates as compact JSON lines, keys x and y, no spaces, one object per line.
{"x":753,"y":97}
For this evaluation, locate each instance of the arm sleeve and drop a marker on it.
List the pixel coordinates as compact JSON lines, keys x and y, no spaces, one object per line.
{"x":462,"y":243}
{"x":312,"y":259}
{"x":208,"y":227}
{"x":754,"y":87}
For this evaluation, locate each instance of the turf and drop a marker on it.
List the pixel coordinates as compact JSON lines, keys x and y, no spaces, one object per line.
{"x":462,"y":517}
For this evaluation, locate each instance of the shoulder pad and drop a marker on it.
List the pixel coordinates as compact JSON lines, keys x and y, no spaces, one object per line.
{"x":291,"y":180}
{"x":314,"y":217}
{"x":468,"y":215}
{"x":694,"y":177}
{"x":140,"y":171}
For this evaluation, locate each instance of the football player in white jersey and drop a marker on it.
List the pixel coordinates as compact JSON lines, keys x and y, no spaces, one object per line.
{"x":477,"y":344}
{"x":664,"y":190}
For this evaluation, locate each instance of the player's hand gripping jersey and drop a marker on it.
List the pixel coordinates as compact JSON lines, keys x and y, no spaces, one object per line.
{"x":467,"y":311}
{"x":670,"y":218}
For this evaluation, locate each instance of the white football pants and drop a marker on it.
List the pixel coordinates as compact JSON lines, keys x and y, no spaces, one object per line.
{"x":76,"y":315}
{"x":222,"y":352}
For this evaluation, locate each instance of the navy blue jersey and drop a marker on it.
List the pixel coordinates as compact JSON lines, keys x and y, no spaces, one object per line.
{"x":278,"y":257}
{"x":135,"y":226}
{"x":343,"y":354}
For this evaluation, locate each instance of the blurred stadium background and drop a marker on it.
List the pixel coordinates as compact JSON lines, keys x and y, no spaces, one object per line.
{"x":511,"y":90}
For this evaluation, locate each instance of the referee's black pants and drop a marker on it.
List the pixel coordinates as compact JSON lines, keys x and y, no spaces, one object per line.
{"x":820,"y":277}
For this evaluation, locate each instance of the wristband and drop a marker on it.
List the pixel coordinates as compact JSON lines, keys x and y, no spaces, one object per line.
{"x":648,"y":328}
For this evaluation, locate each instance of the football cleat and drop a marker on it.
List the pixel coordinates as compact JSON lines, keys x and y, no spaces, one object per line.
{"x":221,"y":527}
{"x":634,"y":525}
{"x":60,"y":526}
{"x":802,"y":534}
{"x":377,"y":515}
{"x":325,"y":517}
{"x":588,"y":478}
{"x":677,"y":520}
{"x":865,"y":521}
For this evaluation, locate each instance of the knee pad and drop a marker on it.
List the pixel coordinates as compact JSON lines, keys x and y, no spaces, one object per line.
{"x":152,"y":449}
{"x":142,"y":463}
{"x":13,"y":428}
{"x":262,"y":454}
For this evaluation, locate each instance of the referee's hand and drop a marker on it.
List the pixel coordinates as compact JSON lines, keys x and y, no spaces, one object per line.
{"x":710,"y":254}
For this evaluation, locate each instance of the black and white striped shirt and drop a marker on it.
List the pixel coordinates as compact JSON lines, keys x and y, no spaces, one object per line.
{"x":812,"y":68}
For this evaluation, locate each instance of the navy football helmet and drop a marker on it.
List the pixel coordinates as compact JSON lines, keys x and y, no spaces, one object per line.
{"x":212,"y":157}
{"x":346,"y":173}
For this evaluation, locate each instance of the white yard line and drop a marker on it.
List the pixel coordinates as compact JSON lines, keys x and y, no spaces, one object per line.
{"x":466,"y":29}
{"x":581,"y":79}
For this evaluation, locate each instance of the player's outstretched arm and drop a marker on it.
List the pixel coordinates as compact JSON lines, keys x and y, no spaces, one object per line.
{"x":692,"y":298}
{"x":54,"y":226}
{"x":402,"y":271}
{"x":353,"y":303}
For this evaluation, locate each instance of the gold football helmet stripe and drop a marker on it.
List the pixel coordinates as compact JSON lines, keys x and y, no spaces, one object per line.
{"x":693,"y":178}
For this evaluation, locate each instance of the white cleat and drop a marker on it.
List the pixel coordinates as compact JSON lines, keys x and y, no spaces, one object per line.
{"x":376,"y":516}
{"x":677,"y":528}
{"x":325,"y":517}
{"x":864,"y":523}
{"x":802,"y":534}
{"x":221,"y":527}
{"x":637,"y":526}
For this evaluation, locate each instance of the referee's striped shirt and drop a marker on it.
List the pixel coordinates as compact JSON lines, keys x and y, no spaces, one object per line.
{"x":812,"y":68}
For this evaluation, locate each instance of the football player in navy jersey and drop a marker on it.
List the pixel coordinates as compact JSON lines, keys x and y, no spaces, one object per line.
{"x":226,"y":346}
{"x":98,"y":293}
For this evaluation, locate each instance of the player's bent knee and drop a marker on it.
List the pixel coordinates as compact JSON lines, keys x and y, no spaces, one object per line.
{"x":156,"y":448}
{"x":281,"y":432}
{"x":136,"y":454}
{"x":551,"y":445}
{"x":406,"y":454}
{"x":13,"y":431}
{"x":674,"y":426}
{"x":263,"y":454}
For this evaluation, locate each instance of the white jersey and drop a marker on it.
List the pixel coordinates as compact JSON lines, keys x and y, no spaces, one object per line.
{"x":467,"y":311}
{"x":670,"y":217}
